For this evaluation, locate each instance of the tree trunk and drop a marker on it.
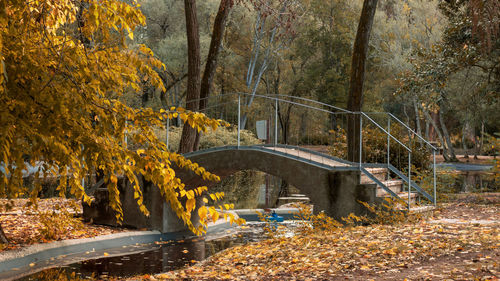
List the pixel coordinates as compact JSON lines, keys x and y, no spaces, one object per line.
{"x":193,"y":83}
{"x":213,"y":53}
{"x":303,"y":124}
{"x":355,"y":99}
{"x":3,"y":237}
{"x":284,"y":119}
{"x":446,"y":135}
{"x":283,"y":192}
{"x":437,"y":131}
{"x":417,"y":120}
{"x":427,"y":128}
{"x":464,"y":145}
{"x":481,"y":143}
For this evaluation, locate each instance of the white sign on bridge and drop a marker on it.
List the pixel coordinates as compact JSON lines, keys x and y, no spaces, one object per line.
{"x":261,"y":126}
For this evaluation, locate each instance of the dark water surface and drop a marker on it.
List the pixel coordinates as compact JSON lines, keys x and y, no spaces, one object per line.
{"x":474,"y":181}
{"x":160,"y":257}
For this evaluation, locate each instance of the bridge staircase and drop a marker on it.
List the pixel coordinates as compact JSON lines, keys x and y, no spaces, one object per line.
{"x":394,"y":185}
{"x":389,"y":181}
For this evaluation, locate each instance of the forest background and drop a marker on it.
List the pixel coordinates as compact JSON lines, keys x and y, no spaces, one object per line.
{"x":433,"y":64}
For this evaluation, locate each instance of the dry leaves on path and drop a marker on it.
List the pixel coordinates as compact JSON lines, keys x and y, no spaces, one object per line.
{"x":415,"y":251}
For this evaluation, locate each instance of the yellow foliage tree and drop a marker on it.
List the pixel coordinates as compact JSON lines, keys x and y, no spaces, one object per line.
{"x":63,"y":66}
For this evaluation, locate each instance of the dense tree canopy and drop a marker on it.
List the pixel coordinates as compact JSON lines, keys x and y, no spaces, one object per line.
{"x":65,"y":66}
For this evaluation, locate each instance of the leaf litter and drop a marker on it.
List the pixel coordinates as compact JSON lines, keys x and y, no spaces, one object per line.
{"x":410,"y":250}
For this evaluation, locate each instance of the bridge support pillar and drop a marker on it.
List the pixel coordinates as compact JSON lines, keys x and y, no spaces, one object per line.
{"x":346,"y":192}
{"x":161,"y":218}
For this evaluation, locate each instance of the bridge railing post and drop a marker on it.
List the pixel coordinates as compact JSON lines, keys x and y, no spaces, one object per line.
{"x":239,"y":118}
{"x":434,"y":174}
{"x":409,"y":180}
{"x":360,"y":139}
{"x":168,"y":129}
{"x":388,"y":144}
{"x":276,"y":122}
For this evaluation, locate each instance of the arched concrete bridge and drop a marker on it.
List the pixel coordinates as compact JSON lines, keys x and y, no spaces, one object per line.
{"x":334,"y":186}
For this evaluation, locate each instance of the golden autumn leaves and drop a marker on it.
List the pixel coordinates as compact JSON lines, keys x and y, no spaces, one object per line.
{"x":64,"y":68}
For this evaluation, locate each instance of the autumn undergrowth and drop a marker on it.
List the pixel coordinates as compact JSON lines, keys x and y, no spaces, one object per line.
{"x":57,"y":222}
{"x":388,"y":212}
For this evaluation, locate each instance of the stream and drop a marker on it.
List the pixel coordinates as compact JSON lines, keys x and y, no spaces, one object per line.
{"x":153,"y":258}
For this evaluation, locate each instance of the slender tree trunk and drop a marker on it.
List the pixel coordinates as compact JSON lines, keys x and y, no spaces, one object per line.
{"x":407,"y":121}
{"x":446,"y":135}
{"x":481,"y":143}
{"x":193,"y":83}
{"x":427,"y":128}
{"x":437,"y":131}
{"x":303,"y":124}
{"x":417,"y":119}
{"x":355,"y":99}
{"x":284,"y":191}
{"x":284,"y":118}
{"x":213,"y":53}
{"x":3,"y":237}
{"x":464,"y":145}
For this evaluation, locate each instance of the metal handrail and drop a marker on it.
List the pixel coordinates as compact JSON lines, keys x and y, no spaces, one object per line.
{"x":411,"y":130}
{"x":298,"y":104}
{"x":383,"y":130}
{"x":413,"y":184}
{"x":406,"y":126}
{"x":317,"y":102}
{"x":273,"y":97}
{"x":379,"y":183}
{"x":326,"y":111}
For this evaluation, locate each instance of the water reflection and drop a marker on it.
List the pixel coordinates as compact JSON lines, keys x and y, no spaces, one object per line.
{"x":475,"y":181}
{"x":162,"y":257}
{"x":253,"y":189}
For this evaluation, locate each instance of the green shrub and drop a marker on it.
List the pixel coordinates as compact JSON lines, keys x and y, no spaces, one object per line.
{"x":223,"y":136}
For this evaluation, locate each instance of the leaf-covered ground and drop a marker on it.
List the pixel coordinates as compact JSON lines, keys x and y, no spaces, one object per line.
{"x":444,"y":246}
{"x":23,"y":226}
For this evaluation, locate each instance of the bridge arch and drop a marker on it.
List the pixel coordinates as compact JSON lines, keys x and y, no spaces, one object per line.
{"x":331,"y":188}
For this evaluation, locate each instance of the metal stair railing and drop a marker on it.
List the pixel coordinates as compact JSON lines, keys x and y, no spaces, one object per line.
{"x":390,"y":117}
{"x":381,"y":184}
{"x":434,"y":149}
{"x":413,"y":184}
{"x":362,"y":114}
